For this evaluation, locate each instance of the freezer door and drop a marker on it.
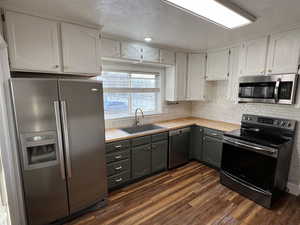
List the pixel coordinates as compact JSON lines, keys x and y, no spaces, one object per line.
{"x":40,"y":149}
{"x":83,"y":128}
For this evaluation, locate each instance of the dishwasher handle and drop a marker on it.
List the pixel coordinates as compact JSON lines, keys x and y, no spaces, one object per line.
{"x":179,"y":131}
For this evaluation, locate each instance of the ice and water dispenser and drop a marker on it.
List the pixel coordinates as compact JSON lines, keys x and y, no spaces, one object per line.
{"x":39,"y":150}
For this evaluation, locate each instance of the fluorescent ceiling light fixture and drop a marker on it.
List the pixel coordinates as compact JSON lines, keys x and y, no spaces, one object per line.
{"x":220,"y":12}
{"x":148,"y":39}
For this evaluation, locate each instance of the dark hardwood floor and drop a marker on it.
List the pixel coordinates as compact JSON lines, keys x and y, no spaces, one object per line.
{"x":188,"y":195}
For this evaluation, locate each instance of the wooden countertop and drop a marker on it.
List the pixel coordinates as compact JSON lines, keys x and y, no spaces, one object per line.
{"x":115,"y":134}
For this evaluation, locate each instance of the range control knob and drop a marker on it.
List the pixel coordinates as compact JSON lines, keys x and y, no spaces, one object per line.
{"x":289,"y":124}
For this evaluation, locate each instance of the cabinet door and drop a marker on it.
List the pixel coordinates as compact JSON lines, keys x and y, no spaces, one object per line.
{"x":131,"y":51}
{"x":150,"y":54}
{"x":33,"y":43}
{"x":81,"y":49}
{"x":284,"y":52}
{"x":159,"y":156}
{"x":217,"y":64}
{"x":254,"y":56}
{"x":196,"y":150}
{"x":110,"y":48}
{"x":196,"y":77}
{"x":181,"y":75}
{"x":212,"y":151}
{"x":233,"y":79}
{"x":141,"y":161}
{"x":167,"y":57}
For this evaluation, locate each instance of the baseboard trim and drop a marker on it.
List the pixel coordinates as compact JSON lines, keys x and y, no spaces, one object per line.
{"x":293,"y":188}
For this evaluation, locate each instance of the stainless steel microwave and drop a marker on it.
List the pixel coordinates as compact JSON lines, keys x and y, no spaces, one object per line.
{"x":273,"y":89}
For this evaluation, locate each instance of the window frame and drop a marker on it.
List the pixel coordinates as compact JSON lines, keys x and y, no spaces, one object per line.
{"x":132,"y":70}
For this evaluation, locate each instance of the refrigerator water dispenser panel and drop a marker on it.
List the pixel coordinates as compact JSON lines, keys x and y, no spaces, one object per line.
{"x":39,"y":150}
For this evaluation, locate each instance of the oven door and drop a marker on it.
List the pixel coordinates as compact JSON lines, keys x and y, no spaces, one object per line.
{"x":252,"y":164}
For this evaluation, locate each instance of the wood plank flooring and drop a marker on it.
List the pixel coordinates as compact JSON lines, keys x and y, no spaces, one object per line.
{"x":190,"y":195}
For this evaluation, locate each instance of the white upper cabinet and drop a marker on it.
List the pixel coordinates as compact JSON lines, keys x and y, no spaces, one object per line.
{"x":167,"y":57}
{"x":196,"y":77}
{"x":254,"y":56}
{"x":181,"y":75}
{"x":33,"y":43}
{"x":150,"y":54}
{"x":81,"y":49}
{"x":141,"y":52}
{"x":233,"y":79}
{"x":176,"y":79}
{"x":131,"y":51}
{"x":110,"y":48}
{"x":217,"y":63}
{"x":284,"y":50}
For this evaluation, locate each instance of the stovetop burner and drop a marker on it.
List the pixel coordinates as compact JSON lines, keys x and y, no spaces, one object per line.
{"x":258,"y":138}
{"x":267,"y":131}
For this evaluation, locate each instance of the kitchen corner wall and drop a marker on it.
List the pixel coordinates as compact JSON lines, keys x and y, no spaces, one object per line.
{"x":219,"y":108}
{"x":173,"y":111}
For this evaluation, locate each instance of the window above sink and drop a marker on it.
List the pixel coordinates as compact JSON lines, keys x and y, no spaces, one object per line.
{"x":124,"y":91}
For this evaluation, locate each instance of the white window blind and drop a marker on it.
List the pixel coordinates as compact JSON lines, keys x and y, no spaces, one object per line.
{"x":126,"y":91}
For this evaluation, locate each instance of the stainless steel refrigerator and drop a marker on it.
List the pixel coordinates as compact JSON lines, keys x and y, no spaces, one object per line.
{"x":60,"y":130}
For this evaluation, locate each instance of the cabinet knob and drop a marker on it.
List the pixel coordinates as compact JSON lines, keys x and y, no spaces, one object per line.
{"x":269,"y":70}
{"x":56,"y":66}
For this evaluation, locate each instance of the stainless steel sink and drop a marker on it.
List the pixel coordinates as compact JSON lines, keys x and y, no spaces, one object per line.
{"x":142,"y":128}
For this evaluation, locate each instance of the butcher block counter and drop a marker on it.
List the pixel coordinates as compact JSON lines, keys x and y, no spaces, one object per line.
{"x":116,"y":134}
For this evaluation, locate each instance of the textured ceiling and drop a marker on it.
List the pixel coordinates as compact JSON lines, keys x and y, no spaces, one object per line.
{"x":136,"y":19}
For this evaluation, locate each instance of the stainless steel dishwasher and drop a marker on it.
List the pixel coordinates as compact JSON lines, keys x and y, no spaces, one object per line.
{"x":179,"y":141}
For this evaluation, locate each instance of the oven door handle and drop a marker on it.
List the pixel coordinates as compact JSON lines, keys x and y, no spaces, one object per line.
{"x":272,"y":152}
{"x":276,"y":90}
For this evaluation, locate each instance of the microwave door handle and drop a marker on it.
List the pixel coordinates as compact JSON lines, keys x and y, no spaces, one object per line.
{"x":66,"y":138}
{"x":276,"y":90}
{"x":59,"y":140}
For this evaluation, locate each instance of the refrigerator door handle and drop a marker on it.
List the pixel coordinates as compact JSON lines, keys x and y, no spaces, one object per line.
{"x":66,"y":137}
{"x":59,"y":137}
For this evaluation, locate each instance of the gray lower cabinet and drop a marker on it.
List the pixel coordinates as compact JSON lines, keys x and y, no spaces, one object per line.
{"x":159,"y":156}
{"x":118,"y":163}
{"x":212,"y":147}
{"x":196,"y":148}
{"x":141,"y":161}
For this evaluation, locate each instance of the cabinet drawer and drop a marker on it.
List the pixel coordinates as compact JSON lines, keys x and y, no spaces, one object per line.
{"x":118,"y":167}
{"x":117,"y":146}
{"x":141,"y":141}
{"x":119,"y":179}
{"x":117,"y":156}
{"x":160,"y":136}
{"x":213,"y":133}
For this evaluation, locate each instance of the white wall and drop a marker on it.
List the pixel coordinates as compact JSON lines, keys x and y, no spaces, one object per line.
{"x":218,"y":108}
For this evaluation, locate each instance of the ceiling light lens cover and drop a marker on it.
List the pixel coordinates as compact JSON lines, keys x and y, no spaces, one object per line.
{"x":213,"y":11}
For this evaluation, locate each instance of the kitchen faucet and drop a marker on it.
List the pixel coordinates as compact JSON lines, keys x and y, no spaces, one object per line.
{"x":137,"y":121}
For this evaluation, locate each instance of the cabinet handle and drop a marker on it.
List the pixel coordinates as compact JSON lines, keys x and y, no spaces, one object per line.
{"x":118,"y":180}
{"x":149,"y":148}
{"x":119,"y":168}
{"x":118,"y":157}
{"x":118,"y":146}
{"x":269,"y":70}
{"x":56,"y":66}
